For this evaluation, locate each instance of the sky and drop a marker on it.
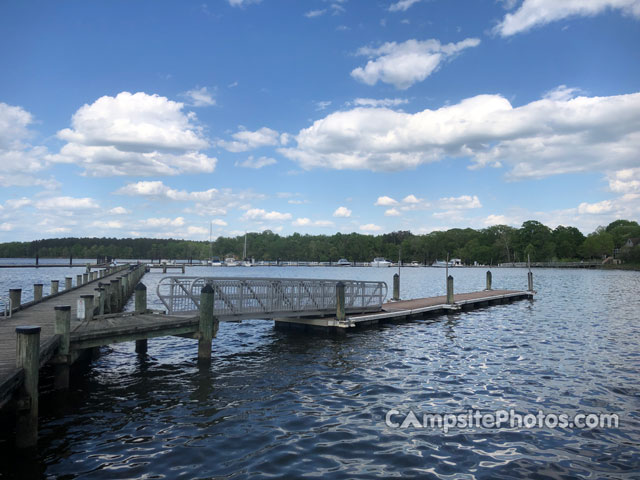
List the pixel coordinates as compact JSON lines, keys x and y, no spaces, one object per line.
{"x":190,"y":119}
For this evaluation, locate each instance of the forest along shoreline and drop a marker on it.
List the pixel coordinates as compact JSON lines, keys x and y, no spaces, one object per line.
{"x":617,"y":246}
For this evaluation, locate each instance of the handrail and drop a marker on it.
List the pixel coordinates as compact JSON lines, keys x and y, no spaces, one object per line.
{"x":240,"y":297}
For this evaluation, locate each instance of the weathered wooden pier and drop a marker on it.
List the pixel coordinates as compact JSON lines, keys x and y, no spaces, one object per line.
{"x":60,"y":327}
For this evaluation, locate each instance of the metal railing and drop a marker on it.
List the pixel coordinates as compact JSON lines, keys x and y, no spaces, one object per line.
{"x":237,"y":298}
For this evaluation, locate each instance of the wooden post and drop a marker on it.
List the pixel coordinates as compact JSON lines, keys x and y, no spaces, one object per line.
{"x":67,"y":283}
{"x":206,"y":323}
{"x":78,"y":280}
{"x":396,"y":287}
{"x":115,"y":296}
{"x":164,"y":267}
{"x":125,"y":286}
{"x":55,"y":286}
{"x":107,"y":296}
{"x":141,"y":307}
{"x":37,"y":292}
{"x":450,"y":299}
{"x":530,"y":280}
{"x":100,"y":296}
{"x":488,"y":280}
{"x":88,"y":307}
{"x":85,"y":278}
{"x":28,"y":359}
{"x":340,"y":309}
{"x":63,"y":328}
{"x":15,"y":295}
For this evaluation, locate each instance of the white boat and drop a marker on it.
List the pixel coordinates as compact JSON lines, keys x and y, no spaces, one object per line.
{"x":230,"y":262}
{"x":343,"y":262}
{"x":454,"y":262}
{"x":215,"y":262}
{"x":414,"y":264}
{"x":380,"y":262}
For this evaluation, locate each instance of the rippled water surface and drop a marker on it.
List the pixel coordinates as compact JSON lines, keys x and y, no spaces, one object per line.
{"x":287,"y":404}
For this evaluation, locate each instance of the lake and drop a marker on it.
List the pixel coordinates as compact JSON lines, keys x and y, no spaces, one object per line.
{"x":285,"y":404}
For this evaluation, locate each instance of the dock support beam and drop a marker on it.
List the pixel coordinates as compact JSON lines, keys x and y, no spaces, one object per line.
{"x":28,"y":359}
{"x":206,"y":323}
{"x":141,"y":307}
{"x":63,"y":328}
{"x":450,"y":299}
{"x":396,"y":287}
{"x":530,"y":280}
{"x":488,"y":280}
{"x":55,"y":286}
{"x":341,"y":314}
{"x":15,"y":295}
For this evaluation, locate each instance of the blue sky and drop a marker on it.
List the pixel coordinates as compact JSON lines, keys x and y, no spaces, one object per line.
{"x":150,"y":118}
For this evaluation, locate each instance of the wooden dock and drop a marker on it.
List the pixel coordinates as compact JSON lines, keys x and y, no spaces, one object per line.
{"x":41,"y":313}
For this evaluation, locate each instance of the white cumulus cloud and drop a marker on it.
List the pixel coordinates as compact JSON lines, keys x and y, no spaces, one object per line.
{"x":244,"y":140}
{"x":342,"y":212}
{"x":385,"y":201}
{"x":533,"y":13}
{"x":135,"y":134}
{"x":382,"y":102}
{"x":403,"y":64}
{"x":535,"y":140}
{"x":20,"y":160}
{"x":261,"y":214}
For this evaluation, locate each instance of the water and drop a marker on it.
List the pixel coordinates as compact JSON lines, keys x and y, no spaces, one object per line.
{"x":284,"y":404}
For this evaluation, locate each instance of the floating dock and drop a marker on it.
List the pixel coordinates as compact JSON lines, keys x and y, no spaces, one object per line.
{"x":407,"y":310}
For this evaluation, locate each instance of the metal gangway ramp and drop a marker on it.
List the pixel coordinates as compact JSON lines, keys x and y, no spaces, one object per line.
{"x":240,"y":298}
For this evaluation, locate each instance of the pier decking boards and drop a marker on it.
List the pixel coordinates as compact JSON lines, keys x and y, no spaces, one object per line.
{"x":412,"y":309}
{"x":41,"y":314}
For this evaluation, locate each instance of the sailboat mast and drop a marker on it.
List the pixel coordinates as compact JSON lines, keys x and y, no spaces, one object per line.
{"x":244,"y":253}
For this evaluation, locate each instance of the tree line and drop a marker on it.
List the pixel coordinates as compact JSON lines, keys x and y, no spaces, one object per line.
{"x":496,"y":244}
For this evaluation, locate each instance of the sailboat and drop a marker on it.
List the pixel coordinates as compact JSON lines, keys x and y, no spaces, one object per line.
{"x":245,"y":262}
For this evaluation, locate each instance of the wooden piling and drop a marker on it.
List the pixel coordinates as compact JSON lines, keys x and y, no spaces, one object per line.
{"x":530,"y":280}
{"x":15,"y":295}
{"x":62,"y":360}
{"x":78,"y":280}
{"x":488,"y":280}
{"x":206,"y":323}
{"x":85,"y":278}
{"x":28,"y":359}
{"x":114,"y":305}
{"x":340,"y":309}
{"x":141,"y":307}
{"x":88,"y":306}
{"x":450,"y":299}
{"x":55,"y":286}
{"x":67,"y":283}
{"x":37,"y":291}
{"x":396,"y":287}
